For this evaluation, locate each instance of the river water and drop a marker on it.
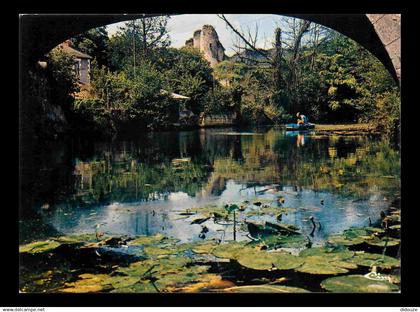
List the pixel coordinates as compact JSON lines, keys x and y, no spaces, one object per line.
{"x":142,"y":185}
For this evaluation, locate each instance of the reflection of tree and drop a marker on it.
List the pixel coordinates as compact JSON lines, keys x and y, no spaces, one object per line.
{"x":155,"y":165}
{"x":357,"y":165}
{"x":46,"y":176}
{"x":135,"y":181}
{"x":237,"y":149}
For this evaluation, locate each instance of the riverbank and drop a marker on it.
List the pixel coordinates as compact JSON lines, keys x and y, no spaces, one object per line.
{"x":346,"y":129}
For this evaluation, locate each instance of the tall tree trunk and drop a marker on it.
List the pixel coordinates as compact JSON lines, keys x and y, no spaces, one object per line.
{"x":278,"y":79}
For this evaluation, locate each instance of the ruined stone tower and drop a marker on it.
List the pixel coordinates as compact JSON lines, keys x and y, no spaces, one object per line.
{"x":207,"y":41}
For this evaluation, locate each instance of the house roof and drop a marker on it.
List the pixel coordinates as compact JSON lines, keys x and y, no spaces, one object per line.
{"x":74,"y":52}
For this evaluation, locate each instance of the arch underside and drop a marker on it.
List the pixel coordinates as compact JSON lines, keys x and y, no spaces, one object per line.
{"x":40,"y":33}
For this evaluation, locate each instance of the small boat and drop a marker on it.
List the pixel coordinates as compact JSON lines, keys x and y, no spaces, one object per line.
{"x":298,"y":127}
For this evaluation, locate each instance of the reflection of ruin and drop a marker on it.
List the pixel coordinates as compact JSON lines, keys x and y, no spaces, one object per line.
{"x":250,"y":160}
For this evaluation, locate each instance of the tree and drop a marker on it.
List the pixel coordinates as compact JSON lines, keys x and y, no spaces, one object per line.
{"x":137,"y":39}
{"x":94,"y":42}
{"x":186,"y":72}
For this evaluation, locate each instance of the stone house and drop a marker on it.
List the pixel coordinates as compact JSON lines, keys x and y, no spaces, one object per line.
{"x":81,"y":62}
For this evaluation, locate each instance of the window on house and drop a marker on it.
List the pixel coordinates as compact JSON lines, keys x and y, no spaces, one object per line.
{"x":77,"y":68}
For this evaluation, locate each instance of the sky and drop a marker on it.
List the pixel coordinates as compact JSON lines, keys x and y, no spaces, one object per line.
{"x":182,"y":27}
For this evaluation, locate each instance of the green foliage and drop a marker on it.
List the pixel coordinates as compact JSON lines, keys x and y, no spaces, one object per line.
{"x":218,"y":100}
{"x":230,"y":71}
{"x":186,"y":72}
{"x":49,"y":94}
{"x":387,"y":114}
{"x":62,"y":78}
{"x":136,"y":41}
{"x":94,"y":42}
{"x":357,"y":284}
{"x":122,"y":100}
{"x":343,"y":82}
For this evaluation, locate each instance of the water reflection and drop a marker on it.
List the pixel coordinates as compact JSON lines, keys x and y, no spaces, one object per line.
{"x":140,"y":186}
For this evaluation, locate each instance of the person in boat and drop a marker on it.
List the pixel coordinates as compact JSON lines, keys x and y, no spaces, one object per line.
{"x":302,"y":119}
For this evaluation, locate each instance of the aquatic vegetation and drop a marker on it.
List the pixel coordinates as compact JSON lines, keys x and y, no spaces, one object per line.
{"x":285,"y":241}
{"x":39,"y":246}
{"x":87,"y":283}
{"x":317,"y":265}
{"x":230,"y":250}
{"x":257,"y":260}
{"x":339,"y":253}
{"x":165,"y":267}
{"x":263,"y":260}
{"x":204,"y":283}
{"x":205,"y":247}
{"x":139,"y":287}
{"x":181,"y":277}
{"x":274,"y":235}
{"x":269,"y":210}
{"x":369,"y":235}
{"x":265,"y":289}
{"x":166,"y":249}
{"x":147,"y":240}
{"x":356,"y":284}
{"x":370,"y":259}
{"x":322,"y":260}
{"x":164,"y":264}
{"x":77,"y":238}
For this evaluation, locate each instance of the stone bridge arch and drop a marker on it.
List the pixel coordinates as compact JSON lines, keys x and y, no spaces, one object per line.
{"x":378,"y":33}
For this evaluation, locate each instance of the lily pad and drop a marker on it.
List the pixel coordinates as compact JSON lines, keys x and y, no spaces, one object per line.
{"x":357,"y":284}
{"x":146,"y":240}
{"x":324,"y":260}
{"x":344,"y":264}
{"x":141,"y":287}
{"x":371,"y":259}
{"x":257,"y":260}
{"x":168,"y":263}
{"x":167,"y":249}
{"x":204,"y":248}
{"x":285,"y":241}
{"x":319,"y":265}
{"x":88,"y":283}
{"x":384,"y":241}
{"x":339,"y":239}
{"x":39,"y":246}
{"x":265,"y":289}
{"x":205,"y":282}
{"x":372,"y":230}
{"x":284,"y":261}
{"x":330,"y":254}
{"x":138,"y":268}
{"x":77,"y":238}
{"x":210,"y":210}
{"x":269,"y":210}
{"x":181,"y":277}
{"x":157,"y":250}
{"x":353,"y":236}
{"x":231,"y":208}
{"x":230,"y":250}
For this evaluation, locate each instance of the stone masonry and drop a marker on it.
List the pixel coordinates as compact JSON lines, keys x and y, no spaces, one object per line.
{"x":207,"y":42}
{"x":388,"y":28}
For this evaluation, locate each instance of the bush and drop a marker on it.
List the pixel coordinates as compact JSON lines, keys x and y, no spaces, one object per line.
{"x":387,"y":115}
